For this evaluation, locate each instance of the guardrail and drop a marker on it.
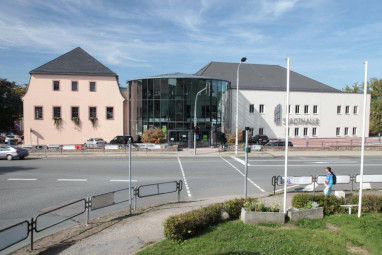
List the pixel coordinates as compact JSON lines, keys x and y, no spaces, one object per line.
{"x":320,"y":179}
{"x":21,"y":231}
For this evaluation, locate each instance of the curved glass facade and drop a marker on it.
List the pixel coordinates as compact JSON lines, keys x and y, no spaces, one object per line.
{"x":167,"y":102}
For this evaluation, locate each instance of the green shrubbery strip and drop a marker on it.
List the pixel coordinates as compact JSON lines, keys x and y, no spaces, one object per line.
{"x":332,"y":204}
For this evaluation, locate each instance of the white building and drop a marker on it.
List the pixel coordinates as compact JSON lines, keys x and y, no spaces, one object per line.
{"x":316,"y":110}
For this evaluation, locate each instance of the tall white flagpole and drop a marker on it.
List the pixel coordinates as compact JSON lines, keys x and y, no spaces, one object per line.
{"x":286,"y":134}
{"x":363,"y":142}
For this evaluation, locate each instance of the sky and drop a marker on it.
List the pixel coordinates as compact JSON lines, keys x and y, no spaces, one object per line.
{"x":326,"y":40}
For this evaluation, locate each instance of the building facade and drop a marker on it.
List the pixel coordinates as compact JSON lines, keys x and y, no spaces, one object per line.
{"x":315,"y":109}
{"x":71,"y":99}
{"x":168,"y":102}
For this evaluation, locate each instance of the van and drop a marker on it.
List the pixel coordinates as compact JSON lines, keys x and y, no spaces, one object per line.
{"x":120,"y":139}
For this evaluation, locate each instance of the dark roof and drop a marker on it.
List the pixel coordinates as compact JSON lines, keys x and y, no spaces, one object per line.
{"x":76,"y":61}
{"x":263,"y":77}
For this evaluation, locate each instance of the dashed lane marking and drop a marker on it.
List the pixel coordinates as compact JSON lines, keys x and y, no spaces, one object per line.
{"x":72,"y":180}
{"x":20,"y":179}
{"x":287,"y":188}
{"x":254,"y":184}
{"x":123,"y":180}
{"x":184,"y":178}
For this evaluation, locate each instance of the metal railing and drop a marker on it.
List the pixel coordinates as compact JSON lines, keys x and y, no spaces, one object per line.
{"x":320,"y":179}
{"x":19,"y":232}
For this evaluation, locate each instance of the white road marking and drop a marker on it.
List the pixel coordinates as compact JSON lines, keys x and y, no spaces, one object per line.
{"x":184,"y":178}
{"x":72,"y":180}
{"x":123,"y":180}
{"x":19,"y":179}
{"x":287,"y":188}
{"x":257,"y":186}
{"x":239,"y":160}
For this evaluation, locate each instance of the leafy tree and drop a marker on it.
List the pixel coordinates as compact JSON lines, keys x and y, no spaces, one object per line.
{"x":11,"y":105}
{"x":153,"y":135}
{"x":374,"y":87}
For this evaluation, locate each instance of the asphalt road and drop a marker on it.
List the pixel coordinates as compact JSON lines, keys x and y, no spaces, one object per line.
{"x":28,"y":187}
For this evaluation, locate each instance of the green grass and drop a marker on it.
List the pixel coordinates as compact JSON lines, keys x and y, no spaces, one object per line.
{"x":303,"y":237}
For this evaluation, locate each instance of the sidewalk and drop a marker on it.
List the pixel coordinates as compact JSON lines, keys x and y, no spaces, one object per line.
{"x":120,"y":234}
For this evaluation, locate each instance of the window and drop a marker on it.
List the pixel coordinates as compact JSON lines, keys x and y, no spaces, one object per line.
{"x":338,"y":131}
{"x":346,"y":132}
{"x":56,"y":112}
{"x":92,"y":112}
{"x":92,"y":86}
{"x":109,"y":113}
{"x":251,"y":108}
{"x":74,"y":86}
{"x":306,"y":109}
{"x":315,"y":109}
{"x":355,"y":110}
{"x":305,"y":131}
{"x":296,"y":132}
{"x":75,"y":112}
{"x":38,"y":113}
{"x":288,"y":132}
{"x":314,"y":131}
{"x":261,"y":108}
{"x":261,"y":131}
{"x":56,"y":85}
{"x":354,"y":131}
{"x":347,"y":109}
{"x":339,"y":109}
{"x":289,"y":109}
{"x":297,"y":109}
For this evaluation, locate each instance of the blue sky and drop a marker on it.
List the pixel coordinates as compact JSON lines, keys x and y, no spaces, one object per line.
{"x":326,"y":40}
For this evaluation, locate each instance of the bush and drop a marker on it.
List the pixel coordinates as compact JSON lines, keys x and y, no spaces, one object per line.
{"x":186,"y":225}
{"x":153,"y":135}
{"x":331,"y":204}
{"x":370,"y":203}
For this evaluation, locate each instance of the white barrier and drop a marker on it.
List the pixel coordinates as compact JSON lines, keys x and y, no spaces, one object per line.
{"x":294,"y":180}
{"x":68,"y":147}
{"x":341,"y":179}
{"x":369,"y":178}
{"x":111,"y":147}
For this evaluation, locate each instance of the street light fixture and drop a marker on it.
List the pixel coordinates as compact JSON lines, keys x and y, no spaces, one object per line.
{"x":237,"y":105}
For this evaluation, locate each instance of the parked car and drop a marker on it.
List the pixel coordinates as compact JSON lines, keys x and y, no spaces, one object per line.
{"x":258,"y":139}
{"x":2,"y":139}
{"x":11,"y":152}
{"x":95,"y":142}
{"x":279,"y":143}
{"x":120,"y":139}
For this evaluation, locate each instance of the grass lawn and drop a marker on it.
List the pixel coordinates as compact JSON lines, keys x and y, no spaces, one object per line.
{"x":337,"y":234}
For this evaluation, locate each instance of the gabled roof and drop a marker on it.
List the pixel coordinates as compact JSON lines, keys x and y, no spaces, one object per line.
{"x":176,"y":76}
{"x":76,"y":61}
{"x":263,"y":77}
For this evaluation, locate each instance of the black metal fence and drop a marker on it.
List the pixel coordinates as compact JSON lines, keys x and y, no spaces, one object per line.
{"x":21,"y":231}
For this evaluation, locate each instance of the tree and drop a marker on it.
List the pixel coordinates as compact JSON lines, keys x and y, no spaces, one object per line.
{"x":153,"y":135}
{"x":11,"y":105}
{"x":374,"y":87}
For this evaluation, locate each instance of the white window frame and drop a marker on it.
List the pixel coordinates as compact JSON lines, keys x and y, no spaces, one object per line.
{"x":346,"y":131}
{"x":306,"y":131}
{"x":315,"y":109}
{"x":338,"y":131}
{"x":306,"y":109}
{"x":339,"y":109}
{"x":297,"y":109}
{"x":355,"y":109}
{"x":314,"y":131}
{"x":347,"y":109}
{"x":296,"y":131}
{"x":261,"y":108}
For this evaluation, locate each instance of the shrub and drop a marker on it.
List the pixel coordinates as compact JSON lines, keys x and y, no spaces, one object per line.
{"x":370,"y":203}
{"x":257,"y":206}
{"x":331,"y":204}
{"x":186,"y":225}
{"x":153,"y":135}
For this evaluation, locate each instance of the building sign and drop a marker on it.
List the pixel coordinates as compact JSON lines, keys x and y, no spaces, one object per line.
{"x":303,"y":121}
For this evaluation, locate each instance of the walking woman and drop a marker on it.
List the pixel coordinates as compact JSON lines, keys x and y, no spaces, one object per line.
{"x":328,"y":182}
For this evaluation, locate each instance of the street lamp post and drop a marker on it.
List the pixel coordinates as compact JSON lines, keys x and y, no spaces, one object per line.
{"x":195,"y":119}
{"x":237,"y":105}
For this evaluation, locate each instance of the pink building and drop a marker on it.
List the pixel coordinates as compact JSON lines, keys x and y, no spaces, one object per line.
{"x":71,"y":99}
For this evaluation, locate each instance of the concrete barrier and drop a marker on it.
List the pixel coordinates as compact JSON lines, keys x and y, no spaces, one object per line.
{"x":316,"y":213}
{"x":253,"y":218}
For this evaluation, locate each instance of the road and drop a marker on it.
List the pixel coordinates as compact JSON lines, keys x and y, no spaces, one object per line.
{"x":28,"y":187}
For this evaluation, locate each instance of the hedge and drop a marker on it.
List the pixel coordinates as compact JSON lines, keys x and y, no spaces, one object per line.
{"x":183,"y":226}
{"x":332,"y":204}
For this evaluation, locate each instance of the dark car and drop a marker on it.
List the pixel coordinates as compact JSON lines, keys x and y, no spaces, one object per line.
{"x":258,"y":139}
{"x":279,"y":143}
{"x":120,"y":139}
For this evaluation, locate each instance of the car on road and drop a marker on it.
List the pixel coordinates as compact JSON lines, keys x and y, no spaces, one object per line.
{"x":15,"y":139}
{"x":95,"y":142}
{"x":258,"y":139}
{"x":279,"y":143}
{"x":120,"y":139}
{"x":11,"y":152}
{"x":2,"y":139}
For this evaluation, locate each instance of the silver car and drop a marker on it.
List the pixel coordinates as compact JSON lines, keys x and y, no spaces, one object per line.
{"x":95,"y":142}
{"x":11,"y":152}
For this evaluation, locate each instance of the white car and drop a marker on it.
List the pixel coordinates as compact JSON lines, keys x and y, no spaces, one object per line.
{"x":12,"y":138}
{"x":95,"y":142}
{"x":11,"y":152}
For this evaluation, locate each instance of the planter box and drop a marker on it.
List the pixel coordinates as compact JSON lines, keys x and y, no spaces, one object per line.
{"x":253,"y":218}
{"x":312,"y":214}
